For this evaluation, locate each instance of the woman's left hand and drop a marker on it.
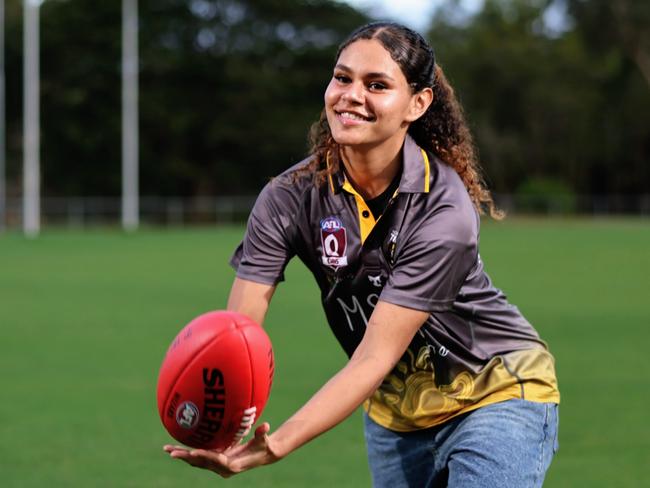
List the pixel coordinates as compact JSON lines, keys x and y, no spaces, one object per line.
{"x":235,"y":459}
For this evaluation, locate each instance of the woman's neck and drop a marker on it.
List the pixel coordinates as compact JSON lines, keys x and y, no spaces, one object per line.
{"x":372,"y":170}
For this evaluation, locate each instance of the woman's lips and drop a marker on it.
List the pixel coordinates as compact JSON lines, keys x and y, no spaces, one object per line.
{"x":351,"y":118}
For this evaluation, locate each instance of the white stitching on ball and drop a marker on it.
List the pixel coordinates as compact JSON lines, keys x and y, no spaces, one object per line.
{"x":247,"y":421}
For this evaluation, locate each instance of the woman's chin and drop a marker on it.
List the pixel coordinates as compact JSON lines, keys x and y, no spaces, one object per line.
{"x":350,"y":139}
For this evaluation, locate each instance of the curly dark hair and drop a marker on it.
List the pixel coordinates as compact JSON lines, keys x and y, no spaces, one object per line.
{"x":442,"y":129}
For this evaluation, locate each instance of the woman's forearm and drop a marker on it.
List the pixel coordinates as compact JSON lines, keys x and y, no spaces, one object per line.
{"x":387,"y":335}
{"x":333,"y":403}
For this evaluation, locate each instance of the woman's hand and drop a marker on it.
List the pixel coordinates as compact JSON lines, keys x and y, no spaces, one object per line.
{"x":235,"y":459}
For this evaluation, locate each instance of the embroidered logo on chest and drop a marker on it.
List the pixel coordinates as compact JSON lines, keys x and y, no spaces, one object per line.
{"x":333,"y":242}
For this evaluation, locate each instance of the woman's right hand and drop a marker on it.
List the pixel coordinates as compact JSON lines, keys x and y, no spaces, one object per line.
{"x":236,"y":459}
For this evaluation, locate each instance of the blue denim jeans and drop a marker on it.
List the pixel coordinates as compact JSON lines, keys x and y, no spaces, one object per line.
{"x":504,"y":445}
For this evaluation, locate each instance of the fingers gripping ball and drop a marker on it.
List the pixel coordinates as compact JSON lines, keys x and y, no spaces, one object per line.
{"x":215,"y":380}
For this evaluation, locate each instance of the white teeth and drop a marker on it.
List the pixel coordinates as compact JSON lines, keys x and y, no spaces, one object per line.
{"x":348,"y":115}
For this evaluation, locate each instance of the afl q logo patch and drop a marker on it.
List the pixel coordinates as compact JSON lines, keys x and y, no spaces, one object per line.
{"x":333,"y":242}
{"x":187,"y":415}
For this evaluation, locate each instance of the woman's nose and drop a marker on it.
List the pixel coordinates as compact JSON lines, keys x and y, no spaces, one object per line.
{"x":354,"y":93}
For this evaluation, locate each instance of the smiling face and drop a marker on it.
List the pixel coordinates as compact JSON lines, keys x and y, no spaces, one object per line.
{"x":369,"y":102}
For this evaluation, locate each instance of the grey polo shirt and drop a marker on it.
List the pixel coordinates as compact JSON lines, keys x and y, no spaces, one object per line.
{"x":422,"y":253}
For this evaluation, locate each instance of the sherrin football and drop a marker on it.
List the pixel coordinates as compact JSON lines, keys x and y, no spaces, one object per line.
{"x":215,"y":380}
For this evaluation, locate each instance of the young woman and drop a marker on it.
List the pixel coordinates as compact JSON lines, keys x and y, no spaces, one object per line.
{"x":457,"y":387}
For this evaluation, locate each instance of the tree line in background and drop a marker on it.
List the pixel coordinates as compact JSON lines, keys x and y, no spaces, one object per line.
{"x":229,"y":88}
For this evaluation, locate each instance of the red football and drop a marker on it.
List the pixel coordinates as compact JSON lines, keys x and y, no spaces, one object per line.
{"x":215,"y":380}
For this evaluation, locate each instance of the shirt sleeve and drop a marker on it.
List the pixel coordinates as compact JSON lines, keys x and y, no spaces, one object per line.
{"x":434,"y":262}
{"x":266,"y":249}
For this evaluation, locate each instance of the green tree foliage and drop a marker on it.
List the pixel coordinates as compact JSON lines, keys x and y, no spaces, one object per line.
{"x":228,"y":89}
{"x":571,"y":105}
{"x":615,"y":37}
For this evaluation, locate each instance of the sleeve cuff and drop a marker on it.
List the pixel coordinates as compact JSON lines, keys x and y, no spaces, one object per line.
{"x":256,"y":277}
{"x":405,"y":299}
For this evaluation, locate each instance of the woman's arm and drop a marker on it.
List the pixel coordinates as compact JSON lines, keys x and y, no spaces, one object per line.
{"x":390,"y":330}
{"x":250,"y":298}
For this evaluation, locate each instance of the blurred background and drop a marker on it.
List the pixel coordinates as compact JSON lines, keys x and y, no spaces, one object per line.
{"x":557,"y":93}
{"x":168,"y":116}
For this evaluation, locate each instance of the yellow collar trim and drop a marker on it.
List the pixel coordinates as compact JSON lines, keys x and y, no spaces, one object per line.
{"x":427,"y":170}
{"x":366,"y":218}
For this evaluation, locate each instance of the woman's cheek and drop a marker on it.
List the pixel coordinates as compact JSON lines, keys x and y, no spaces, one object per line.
{"x":330,"y":94}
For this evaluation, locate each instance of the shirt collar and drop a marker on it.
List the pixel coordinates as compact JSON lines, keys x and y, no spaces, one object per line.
{"x":415,"y":172}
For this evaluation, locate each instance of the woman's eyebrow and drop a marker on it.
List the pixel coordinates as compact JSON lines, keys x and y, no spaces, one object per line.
{"x":374,"y":74}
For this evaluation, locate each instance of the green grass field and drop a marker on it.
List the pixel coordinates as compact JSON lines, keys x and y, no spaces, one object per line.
{"x":85,"y":319}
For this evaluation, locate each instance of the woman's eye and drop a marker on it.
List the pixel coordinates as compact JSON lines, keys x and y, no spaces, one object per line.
{"x":377,"y":86}
{"x":342,"y":78}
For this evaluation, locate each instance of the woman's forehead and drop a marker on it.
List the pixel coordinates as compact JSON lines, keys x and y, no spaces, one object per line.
{"x":368,"y":56}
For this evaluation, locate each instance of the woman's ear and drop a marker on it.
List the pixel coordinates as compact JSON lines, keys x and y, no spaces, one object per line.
{"x":420,"y":102}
